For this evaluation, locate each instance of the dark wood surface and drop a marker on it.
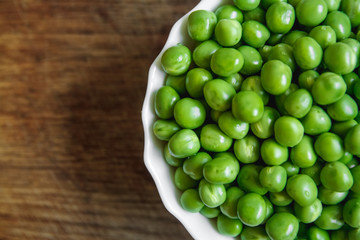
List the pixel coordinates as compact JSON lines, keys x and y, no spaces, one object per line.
{"x":73,"y":75}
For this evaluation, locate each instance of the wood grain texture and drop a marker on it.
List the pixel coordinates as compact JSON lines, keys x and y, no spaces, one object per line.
{"x":73,"y":75}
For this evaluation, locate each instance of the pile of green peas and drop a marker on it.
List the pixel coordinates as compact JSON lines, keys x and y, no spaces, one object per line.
{"x":261,"y":118}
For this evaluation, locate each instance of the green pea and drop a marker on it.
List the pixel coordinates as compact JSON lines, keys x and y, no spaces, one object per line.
{"x":229,"y":12}
{"x":269,"y":209}
{"x":177,"y":83}
{"x":226,"y":61}
{"x":344,"y":109}
{"x":352,"y":140}
{"x":164,"y":129}
{"x":257,"y":14}
{"x":264,"y":128}
{"x":171,"y":160}
{"x":348,"y":157}
{"x":253,"y":83}
{"x":350,"y":80}
{"x":330,"y":197}
{"x":195,"y":81}
{"x":310,"y":213}
{"x":213,"y":139}
{"x":330,"y":218}
{"x":255,"y":34}
{"x":355,"y":46}
{"x":252,"y":233}
{"x":247,"y":150}
{"x":316,"y":121}
{"x":354,"y":234}
{"x":328,"y":88}
{"x":302,"y":189}
{"x":275,"y":38}
{"x":228,"y":226}
{"x":336,"y":176}
{"x":189,"y":113}
{"x":247,"y":106}
{"x":184,"y":143}
{"x":316,"y":233}
{"x":352,"y":163}
{"x":210,"y":212}
{"x":193,"y":166}
{"x":288,"y":131}
{"x":307,"y":78}
{"x":292,"y":36}
{"x":341,"y":234}
{"x":228,"y":32}
{"x":311,"y":12}
{"x":275,"y":77}
{"x":314,"y":171}
{"x":235,"y":80}
{"x":324,"y":35}
{"x":248,"y":179}
{"x":203,"y":52}
{"x":215,"y":115}
{"x":307,"y":52}
{"x":290,"y":168}
{"x":201,"y":24}
{"x":356,"y":175}
{"x":282,"y":226}
{"x":229,"y":207}
{"x":340,"y":58}
{"x":303,"y":154}
{"x":212,"y":195}
{"x":329,"y":147}
{"x":252,"y":60}
{"x":251,"y":209}
{"x":285,"y":209}
{"x":265,"y":51}
{"x":232,"y":127}
{"x":280,"y":17}
{"x":342,"y":128}
{"x":284,"y":53}
{"x":341,"y":24}
{"x":190,"y":201}
{"x":165,"y":100}
{"x":221,"y":170}
{"x":176,"y":60}
{"x":352,"y":9}
{"x":247,"y":5}
{"x":219,"y":94}
{"x":357,"y":91}
{"x":267,"y":3}
{"x":298,"y":103}
{"x":183,"y":181}
{"x":272,"y":153}
{"x":273,"y":178}
{"x":280,"y":99}
{"x":280,"y":199}
{"x":333,"y":4}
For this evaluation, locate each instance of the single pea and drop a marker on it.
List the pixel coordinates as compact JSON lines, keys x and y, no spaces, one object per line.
{"x":292,"y":36}
{"x":350,"y":80}
{"x":247,"y":150}
{"x":235,"y":80}
{"x":284,"y":53}
{"x":229,"y":227}
{"x":324,"y":35}
{"x":336,"y":176}
{"x":280,"y":199}
{"x":344,"y":109}
{"x":232,"y":127}
{"x":288,"y":131}
{"x":247,"y":5}
{"x":280,"y":99}
{"x":177,"y":83}
{"x":272,"y":153}
{"x":226,"y":61}
{"x":355,"y":46}
{"x":330,"y":218}
{"x":310,"y":213}
{"x":282,"y":226}
{"x":190,"y":201}
{"x":328,"y":88}
{"x":314,"y":171}
{"x":203,"y":52}
{"x":210,"y":212}
{"x":329,"y":147}
{"x":252,"y":60}
{"x":317,"y":121}
{"x":219,"y":94}
{"x":255,"y":34}
{"x":247,"y":106}
{"x":253,"y":83}
{"x":171,"y":160}
{"x":195,"y":81}
{"x":229,"y":207}
{"x":352,"y":9}
{"x":165,"y":100}
{"x":257,"y":14}
{"x":201,"y":24}
{"x":356,"y":175}
{"x":212,"y":195}
{"x":333,"y":5}
{"x":183,"y":181}
{"x":352,"y":140}
{"x":311,"y":12}
{"x":264,"y":128}
{"x":221,"y":170}
{"x":176,"y":60}
{"x":287,"y":209}
{"x":298,"y":103}
{"x":269,"y":209}
{"x":189,"y":113}
{"x":275,"y":38}
{"x":184,"y":143}
{"x":341,"y":234}
{"x":290,"y":168}
{"x":352,"y":163}
{"x":228,"y":32}
{"x":213,"y":139}
{"x":303,"y":154}
{"x":340,"y":58}
{"x":348,"y":157}
{"x":164,"y":129}
{"x":307,"y":78}
{"x":248,"y":179}
{"x":316,"y":233}
{"x":330,"y":197}
{"x":251,"y":209}
{"x":307,"y":52}
{"x":229,"y":12}
{"x":280,"y":17}
{"x":193,"y":166}
{"x":251,"y":233}
{"x":275,"y":77}
{"x":273,"y":178}
{"x":302,"y":189}
{"x":341,"y":24}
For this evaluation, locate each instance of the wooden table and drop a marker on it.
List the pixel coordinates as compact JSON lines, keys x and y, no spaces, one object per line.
{"x":73,"y":75}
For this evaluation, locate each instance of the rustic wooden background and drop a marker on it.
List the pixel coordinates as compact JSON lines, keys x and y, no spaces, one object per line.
{"x":73,"y":75}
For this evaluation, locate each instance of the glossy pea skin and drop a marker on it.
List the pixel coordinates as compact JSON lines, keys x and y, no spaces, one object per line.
{"x":275,"y":77}
{"x":280,"y":199}
{"x":272,"y":153}
{"x":355,"y":46}
{"x":302,"y":189}
{"x":171,"y":160}
{"x":328,"y":88}
{"x":164,"y":129}
{"x":330,"y":197}
{"x":330,"y":218}
{"x":273,"y":178}
{"x":265,"y":51}
{"x":189,"y":113}
{"x":201,"y":25}
{"x":257,"y":14}
{"x":303,"y":154}
{"x":352,"y":9}
{"x":228,"y":32}
{"x":292,"y":36}
{"x":333,"y":4}
{"x":344,"y":109}
{"x":247,"y":150}
{"x":310,"y":213}
{"x":190,"y":201}
{"x":314,"y":171}
{"x":251,"y":233}
{"x":229,"y":207}
{"x":203,"y":52}
{"x":248,"y":179}
{"x":290,"y":168}
{"x":176,"y":60}
{"x":193,"y":166}
{"x":352,"y":140}
{"x":307,"y":52}
{"x":255,"y":34}
{"x":275,"y":38}
{"x":329,"y":147}
{"x":229,"y":12}
{"x":324,"y":35}
{"x":184,"y":143}
{"x":210,"y":212}
{"x":213,"y":139}
{"x":267,"y":3}
{"x":280,"y":99}
{"x":252,"y":60}
{"x":298,"y":103}
{"x":350,"y":80}
{"x":221,"y":170}
{"x":195,"y":81}
{"x":253,"y":83}
{"x":165,"y":100}
{"x":226,"y":61}
{"x":288,"y":131}
{"x":264,"y":128}
{"x":235,"y":80}
{"x":311,"y":12}
{"x":251,"y":209}
{"x":219,"y":94}
{"x":246,"y":5}
{"x":232,"y":127}
{"x":340,"y":58}
{"x":183,"y":181}
{"x":280,"y":17}
{"x":316,"y":233}
{"x":347,"y":158}
{"x":336,"y":176}
{"x":212,"y":195}
{"x":269,"y":209}
{"x":342,"y":128}
{"x":229,"y":227}
{"x":283,"y":226}
{"x":247,"y":106}
{"x":317,"y":121}
{"x":356,"y":175}
{"x":177,"y":83}
{"x":284,"y":53}
{"x":341,"y":24}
